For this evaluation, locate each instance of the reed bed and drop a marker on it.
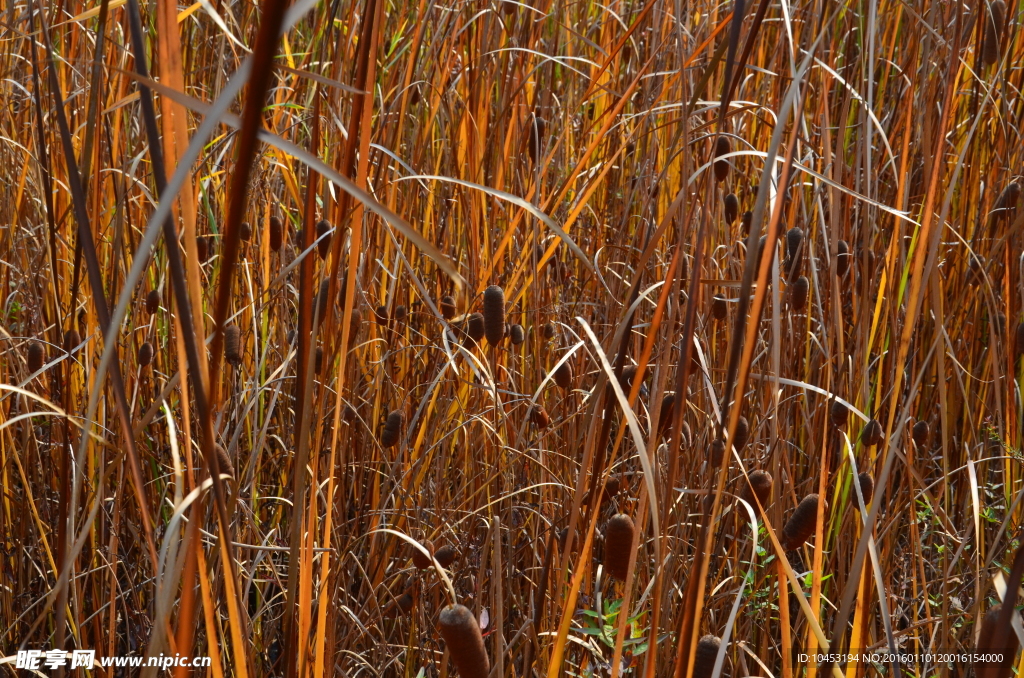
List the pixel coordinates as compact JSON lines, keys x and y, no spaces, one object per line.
{"x":289,"y":289}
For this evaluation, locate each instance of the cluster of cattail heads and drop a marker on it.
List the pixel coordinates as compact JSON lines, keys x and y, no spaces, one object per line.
{"x":801,"y":524}
{"x":393,"y":429}
{"x":465,"y":642}
{"x":618,"y":545}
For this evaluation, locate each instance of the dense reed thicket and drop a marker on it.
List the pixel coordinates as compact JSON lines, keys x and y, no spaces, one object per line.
{"x":371,"y":338}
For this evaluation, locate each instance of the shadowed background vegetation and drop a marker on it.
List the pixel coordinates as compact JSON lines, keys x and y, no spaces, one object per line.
{"x":245,"y":391}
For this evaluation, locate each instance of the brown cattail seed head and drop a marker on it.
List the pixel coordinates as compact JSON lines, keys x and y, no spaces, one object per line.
{"x":153,"y":302}
{"x":145,"y":356}
{"x":381,"y":315}
{"x":548,"y":330}
{"x":719,"y":307}
{"x":838,"y":414}
{"x":401,"y":312}
{"x":276,"y":233}
{"x":447,"y":307}
{"x":446,"y":555}
{"x":801,"y":524}
{"x":36,"y":356}
{"x":563,"y":376}
{"x":872,"y":434}
{"x":732,"y":207}
{"x":475,"y":329}
{"x":537,"y":127}
{"x":722,"y":147}
{"x":1006,"y":203}
{"x":232,"y":344}
{"x":706,"y":655}
{"x":71,"y":340}
{"x":618,"y":544}
{"x":494,"y":314}
{"x":323,"y":301}
{"x":516,"y":334}
{"x":539,"y":416}
{"x":794,"y":243}
{"x":612,"y":486}
{"x":798,"y":293}
{"x":420,"y":559}
{"x":465,"y":643}
{"x":746,"y":220}
{"x":742,"y":435}
{"x":245,"y":231}
{"x":667,"y":412}
{"x":402,"y":606}
{"x":324,"y":246}
{"x":921,"y":434}
{"x":867,"y":487}
{"x":843,"y":258}
{"x":318,"y":361}
{"x":1018,"y":341}
{"x":626,"y":378}
{"x":392,"y":431}
{"x":224,"y":461}
{"x":203,"y":248}
{"x":717,"y":452}
{"x":760,"y":486}
{"x":993,"y":31}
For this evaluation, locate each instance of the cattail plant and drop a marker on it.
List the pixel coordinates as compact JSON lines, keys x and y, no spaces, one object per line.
{"x":36,"y":356}
{"x":392,"y":431}
{"x":475,"y":329}
{"x":722,"y":147}
{"x":145,"y":354}
{"x":1018,"y":341}
{"x":401,"y":312}
{"x":401,"y":606}
{"x":666,"y":413}
{"x":759,"y":487}
{"x":794,"y":251}
{"x":276,"y":233}
{"x":380,"y":314}
{"x":547,"y":330}
{"x":867,"y":487}
{"x":731,"y":206}
{"x":612,"y":486}
{"x":618,"y":545}
{"x":843,"y":258}
{"x":994,"y":18}
{"x":318,"y":361}
{"x":536,"y":138}
{"x":801,"y":524}
{"x":494,"y":314}
{"x":717,"y":452}
{"x":447,"y":307}
{"x":539,"y":416}
{"x":872,"y":434}
{"x":224,"y":460}
{"x":323,"y":247}
{"x":719,"y":307}
{"x":798,"y":293}
{"x":446,"y":555}
{"x":742,"y":435}
{"x":745,"y":221}
{"x":563,"y":376}
{"x":245,"y":231}
{"x":71,"y":340}
{"x":464,"y":642}
{"x":204,"y":248}
{"x":420,"y":559}
{"x":516,"y":334}
{"x":706,"y":655}
{"x":153,"y":301}
{"x":232,"y":345}
{"x":323,"y":301}
{"x":921,"y":434}
{"x":838,"y":414}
